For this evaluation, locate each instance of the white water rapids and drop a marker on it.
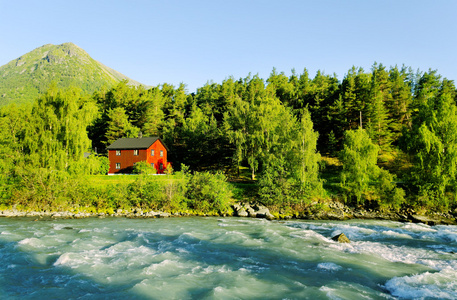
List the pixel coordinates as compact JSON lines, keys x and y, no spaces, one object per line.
{"x":225,"y":258}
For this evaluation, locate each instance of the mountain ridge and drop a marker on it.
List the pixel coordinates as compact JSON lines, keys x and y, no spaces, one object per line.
{"x":25,"y":78}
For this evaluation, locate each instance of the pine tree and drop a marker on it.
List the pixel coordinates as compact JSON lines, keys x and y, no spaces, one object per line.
{"x":400,"y":102}
{"x":378,"y":122}
{"x":119,"y":126}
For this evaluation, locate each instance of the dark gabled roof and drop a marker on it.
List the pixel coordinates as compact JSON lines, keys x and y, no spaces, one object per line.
{"x":134,"y":143}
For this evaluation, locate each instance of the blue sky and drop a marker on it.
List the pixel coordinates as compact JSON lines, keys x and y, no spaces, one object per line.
{"x":199,"y":41}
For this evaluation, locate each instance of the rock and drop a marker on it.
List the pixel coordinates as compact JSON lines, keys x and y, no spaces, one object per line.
{"x":341,"y":238}
{"x":263,"y":212}
{"x":269,"y":216}
{"x":242,"y":213}
{"x":163,"y":215}
{"x":33,"y":214}
{"x":335,"y":215}
{"x":422,"y":219}
{"x":237,"y":207}
{"x":251,"y":212}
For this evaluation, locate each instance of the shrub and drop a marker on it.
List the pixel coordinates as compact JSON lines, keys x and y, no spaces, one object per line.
{"x":143,"y":167}
{"x":208,"y":192}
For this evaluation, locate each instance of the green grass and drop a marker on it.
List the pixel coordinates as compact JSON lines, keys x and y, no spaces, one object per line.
{"x":331,"y":174}
{"x":100,"y":180}
{"x":244,"y":191}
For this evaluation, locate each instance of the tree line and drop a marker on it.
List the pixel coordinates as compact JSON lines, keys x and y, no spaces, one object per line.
{"x":391,"y":131}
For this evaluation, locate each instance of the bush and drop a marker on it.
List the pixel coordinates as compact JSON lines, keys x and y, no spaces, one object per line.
{"x":143,"y":167}
{"x":208,"y":192}
{"x":145,"y":192}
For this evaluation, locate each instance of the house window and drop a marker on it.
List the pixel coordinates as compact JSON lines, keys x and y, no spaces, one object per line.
{"x":118,"y":166}
{"x":152,"y":152}
{"x":118,"y":152}
{"x":161,"y":166}
{"x":161,"y":153}
{"x":152,"y":165}
{"x":135,"y":152}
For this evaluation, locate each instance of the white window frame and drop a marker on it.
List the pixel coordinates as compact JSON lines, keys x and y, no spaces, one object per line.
{"x":135,"y":152}
{"x":152,"y":152}
{"x":118,"y":166}
{"x":118,"y":152}
{"x":161,"y":153}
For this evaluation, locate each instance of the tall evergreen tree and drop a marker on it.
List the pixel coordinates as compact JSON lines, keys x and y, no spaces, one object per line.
{"x":378,"y":119}
{"x":400,"y":102}
{"x":118,"y":126}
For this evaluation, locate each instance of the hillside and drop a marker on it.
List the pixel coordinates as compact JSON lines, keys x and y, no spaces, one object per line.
{"x":25,"y":78}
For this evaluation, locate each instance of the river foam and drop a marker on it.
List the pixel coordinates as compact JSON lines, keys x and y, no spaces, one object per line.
{"x":214,"y":258}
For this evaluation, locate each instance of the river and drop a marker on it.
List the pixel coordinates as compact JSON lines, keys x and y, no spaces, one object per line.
{"x":225,"y":258}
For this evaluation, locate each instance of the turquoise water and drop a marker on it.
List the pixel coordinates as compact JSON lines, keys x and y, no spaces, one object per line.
{"x":229,"y":258}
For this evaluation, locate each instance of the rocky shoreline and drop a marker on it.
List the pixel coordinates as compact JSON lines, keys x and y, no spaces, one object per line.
{"x":340,"y":212}
{"x":334,"y":211}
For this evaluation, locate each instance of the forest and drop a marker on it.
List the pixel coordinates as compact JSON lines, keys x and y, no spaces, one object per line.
{"x":384,"y":138}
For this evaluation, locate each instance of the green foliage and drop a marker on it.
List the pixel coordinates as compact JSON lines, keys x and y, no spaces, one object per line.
{"x":359,"y":158}
{"x":432,"y":141}
{"x":272,"y":127}
{"x":95,"y":165}
{"x":380,"y":95}
{"x":291,"y":174}
{"x":361,"y":178}
{"x":277,"y":188}
{"x":208,"y":192}
{"x":55,"y":136}
{"x":145,"y":192}
{"x":118,"y":126}
{"x":143,"y":167}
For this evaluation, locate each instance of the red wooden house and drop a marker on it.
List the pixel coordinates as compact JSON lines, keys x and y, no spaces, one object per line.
{"x":125,"y":152}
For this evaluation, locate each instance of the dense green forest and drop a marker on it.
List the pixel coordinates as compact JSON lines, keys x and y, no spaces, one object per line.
{"x":385,"y":138}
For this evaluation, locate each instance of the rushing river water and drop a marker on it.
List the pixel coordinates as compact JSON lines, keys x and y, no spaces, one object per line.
{"x":229,"y":258}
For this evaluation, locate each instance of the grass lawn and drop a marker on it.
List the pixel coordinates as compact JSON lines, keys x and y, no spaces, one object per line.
{"x":242,"y":191}
{"x":98,"y":180}
{"x":104,"y":180}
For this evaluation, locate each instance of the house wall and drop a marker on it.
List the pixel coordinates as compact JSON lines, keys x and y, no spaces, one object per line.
{"x":127,"y":159}
{"x":157,"y":159}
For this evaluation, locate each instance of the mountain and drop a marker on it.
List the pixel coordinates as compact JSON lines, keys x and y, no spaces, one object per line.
{"x":24,"y":79}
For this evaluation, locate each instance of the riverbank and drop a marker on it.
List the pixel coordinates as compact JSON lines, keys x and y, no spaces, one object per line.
{"x":334,"y":211}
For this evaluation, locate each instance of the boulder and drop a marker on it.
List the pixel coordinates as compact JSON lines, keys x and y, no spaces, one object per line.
{"x":242,"y":213}
{"x":269,"y":216}
{"x":237,"y":206}
{"x":264,"y":212}
{"x":422,"y":219}
{"x":251,"y":212}
{"x":341,"y":238}
{"x":163,"y":215}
